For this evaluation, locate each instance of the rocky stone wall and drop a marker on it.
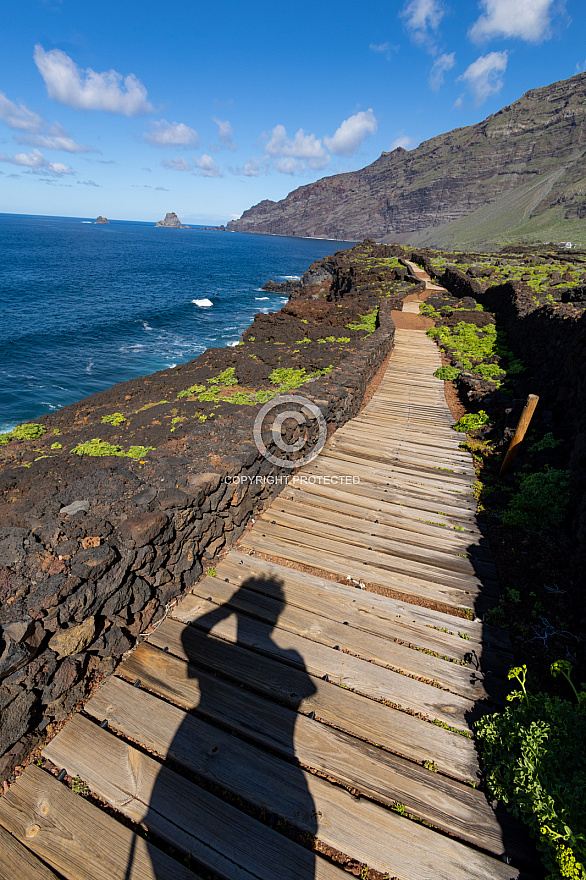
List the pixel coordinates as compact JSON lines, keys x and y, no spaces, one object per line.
{"x":100,"y":560}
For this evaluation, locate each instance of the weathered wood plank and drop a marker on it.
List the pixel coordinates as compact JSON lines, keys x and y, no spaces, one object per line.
{"x":278,"y":787}
{"x":18,"y":863}
{"x":191,"y":819}
{"x":195,"y":821}
{"x":387,"y":653}
{"x":75,"y":838}
{"x":262,"y":719}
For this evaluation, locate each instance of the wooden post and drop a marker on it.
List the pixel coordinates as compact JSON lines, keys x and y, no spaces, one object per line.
{"x":513,"y":449}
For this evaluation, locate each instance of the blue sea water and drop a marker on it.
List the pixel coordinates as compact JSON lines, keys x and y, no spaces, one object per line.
{"x":85,"y":305}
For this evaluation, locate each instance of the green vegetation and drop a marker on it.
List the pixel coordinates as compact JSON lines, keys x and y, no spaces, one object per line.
{"x":448,"y":374}
{"x":547,"y":442}
{"x":226,"y":377}
{"x":28,"y":432}
{"x":56,"y":446}
{"x":97,"y":447}
{"x":534,"y":762}
{"x":541,"y":501}
{"x":288,"y":378}
{"x":367,"y":322}
{"x":5,"y":438}
{"x":471,"y":422}
{"x":114,"y":419}
{"x":189,"y":392}
{"x":467,"y":342}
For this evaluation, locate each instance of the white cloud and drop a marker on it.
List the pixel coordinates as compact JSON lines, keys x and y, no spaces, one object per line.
{"x":580,"y":68}
{"x":526,"y":19}
{"x":179,"y":164}
{"x":351,"y":133}
{"x":383,"y":49}
{"x":38,"y":132}
{"x":484,"y":76}
{"x":207,"y":166}
{"x":89,"y":183}
{"x":442,"y":64}
{"x":36,"y":162}
{"x":303,"y":146}
{"x":171,"y":134}
{"x":251,"y":168}
{"x":422,"y":18}
{"x":226,"y":133}
{"x":402,"y":141}
{"x":88,"y":90}
{"x":291,"y":166}
{"x":19,"y":117}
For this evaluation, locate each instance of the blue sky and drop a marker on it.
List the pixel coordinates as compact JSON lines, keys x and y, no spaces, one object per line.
{"x":132,"y":109}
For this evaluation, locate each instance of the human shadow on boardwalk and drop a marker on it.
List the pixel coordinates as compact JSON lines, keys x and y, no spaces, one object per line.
{"x":266,"y":787}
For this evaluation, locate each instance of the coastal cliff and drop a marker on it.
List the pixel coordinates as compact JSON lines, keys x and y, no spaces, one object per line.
{"x":517,"y":175}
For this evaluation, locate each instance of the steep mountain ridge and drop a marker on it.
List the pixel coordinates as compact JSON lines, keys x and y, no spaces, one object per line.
{"x":528,"y":158}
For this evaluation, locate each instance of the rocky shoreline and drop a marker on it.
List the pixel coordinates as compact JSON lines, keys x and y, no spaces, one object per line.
{"x":112,"y":507}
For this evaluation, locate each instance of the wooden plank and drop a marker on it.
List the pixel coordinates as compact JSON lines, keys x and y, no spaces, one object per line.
{"x":352,"y":530}
{"x":445,"y":634}
{"x":217,"y":835}
{"x":278,"y":787}
{"x":18,"y":863}
{"x":75,"y":838}
{"x":413,"y":532}
{"x":141,"y":787}
{"x":345,"y":566}
{"x":342,"y":711}
{"x":383,"y":652}
{"x":341,"y":668}
{"x":404,"y":570}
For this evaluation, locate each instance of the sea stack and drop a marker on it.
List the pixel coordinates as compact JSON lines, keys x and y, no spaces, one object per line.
{"x":171,"y":220}
{"x":102,"y":220}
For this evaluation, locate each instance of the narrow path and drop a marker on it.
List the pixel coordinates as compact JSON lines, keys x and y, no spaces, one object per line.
{"x":321,"y":683}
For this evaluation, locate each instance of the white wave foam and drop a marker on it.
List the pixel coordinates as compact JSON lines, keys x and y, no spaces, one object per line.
{"x":260,"y":298}
{"x":146,"y":326}
{"x":233,"y":344}
{"x":291,"y":277}
{"x":202,"y":303}
{"x":89,"y":367}
{"x":88,"y":221}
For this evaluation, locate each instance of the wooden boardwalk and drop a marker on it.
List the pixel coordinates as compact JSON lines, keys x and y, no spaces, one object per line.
{"x":284,"y":700}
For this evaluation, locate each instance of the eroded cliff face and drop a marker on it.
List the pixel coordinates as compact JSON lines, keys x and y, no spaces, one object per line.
{"x":530,"y":154}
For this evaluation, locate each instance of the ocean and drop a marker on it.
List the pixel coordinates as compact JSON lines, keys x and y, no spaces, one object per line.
{"x":85,"y":305}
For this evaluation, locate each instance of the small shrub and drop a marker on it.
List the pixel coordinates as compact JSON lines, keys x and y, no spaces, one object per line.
{"x":56,"y":446}
{"x":97,"y":447}
{"x":541,"y":501}
{"x":114,"y":419}
{"x":367,"y":322}
{"x":28,"y":432}
{"x":288,"y":378}
{"x":5,"y":438}
{"x":226,"y":377}
{"x":534,"y":763}
{"x":547,"y":442}
{"x":471,"y":422}
{"x":189,"y":392}
{"x":448,"y":374}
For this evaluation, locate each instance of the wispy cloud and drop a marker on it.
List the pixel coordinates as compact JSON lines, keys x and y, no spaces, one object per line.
{"x":528,"y":20}
{"x":34,"y":131}
{"x":422,"y":19}
{"x":383,"y":49}
{"x":439,"y":68}
{"x":484,"y":77}
{"x":89,"y":183}
{"x":171,"y":134}
{"x":253,"y":168}
{"x":178,"y":164}
{"x":88,"y":90}
{"x":581,"y":67}
{"x":403,"y":141}
{"x":36,"y":162}
{"x":226,"y":133}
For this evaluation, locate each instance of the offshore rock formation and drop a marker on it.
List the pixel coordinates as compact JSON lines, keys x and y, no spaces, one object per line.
{"x":517,"y":176}
{"x":171,"y":220}
{"x":101,"y":219}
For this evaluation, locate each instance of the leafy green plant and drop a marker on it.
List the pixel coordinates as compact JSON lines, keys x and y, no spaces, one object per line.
{"x":114,"y":419}
{"x":56,"y":446}
{"x":5,"y":438}
{"x":97,"y":447}
{"x":189,"y":392}
{"x":288,"y":378}
{"x":541,"y":501}
{"x":448,"y":374}
{"x":226,"y":377}
{"x":367,"y":322}
{"x":471,"y":422}
{"x":534,"y":763}
{"x":547,"y":442}
{"x":28,"y":432}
